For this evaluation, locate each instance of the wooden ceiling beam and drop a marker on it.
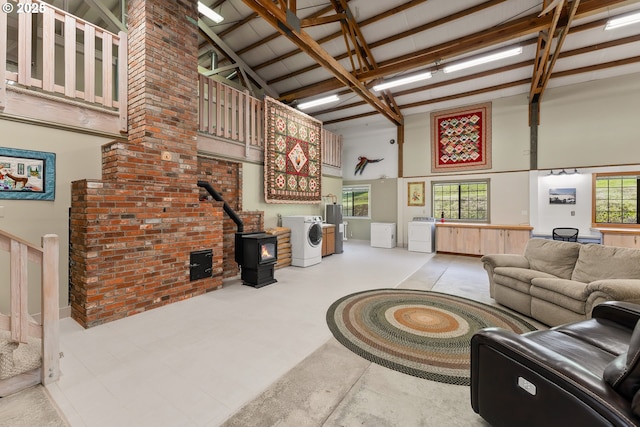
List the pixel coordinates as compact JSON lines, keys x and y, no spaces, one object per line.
{"x":337,"y":34}
{"x":522,"y":64}
{"x":278,"y":19}
{"x":395,"y":37}
{"x":310,"y":22}
{"x":543,"y":48}
{"x":483,"y":39}
{"x":275,"y":35}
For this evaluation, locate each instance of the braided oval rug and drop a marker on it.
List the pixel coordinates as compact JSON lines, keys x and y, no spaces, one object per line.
{"x":421,"y":333}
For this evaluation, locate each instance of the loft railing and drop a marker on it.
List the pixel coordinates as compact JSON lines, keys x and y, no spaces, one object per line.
{"x":19,"y":322}
{"x":54,"y":53}
{"x":232,"y":114}
{"x":57,"y":53}
{"x":332,"y":149}
{"x":229,"y":113}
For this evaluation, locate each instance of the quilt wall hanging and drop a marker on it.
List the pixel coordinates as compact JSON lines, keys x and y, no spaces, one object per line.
{"x":293,"y":155}
{"x":461,"y":138}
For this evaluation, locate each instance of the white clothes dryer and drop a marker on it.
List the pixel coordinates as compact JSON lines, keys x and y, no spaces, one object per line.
{"x":306,"y":239}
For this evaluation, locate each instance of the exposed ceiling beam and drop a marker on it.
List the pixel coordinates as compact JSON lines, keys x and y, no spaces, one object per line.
{"x":107,"y":14}
{"x":243,"y":67}
{"x":398,"y":36}
{"x":520,"y":27}
{"x":337,"y":34}
{"x":504,"y":69}
{"x":280,"y":20}
{"x":274,"y":36}
{"x":310,"y":22}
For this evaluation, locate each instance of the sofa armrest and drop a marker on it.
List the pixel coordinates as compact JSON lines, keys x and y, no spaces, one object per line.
{"x":505,"y":260}
{"x":625,"y":313}
{"x":490,"y":262}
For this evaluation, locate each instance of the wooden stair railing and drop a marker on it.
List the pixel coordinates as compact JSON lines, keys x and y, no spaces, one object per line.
{"x":20,"y":323}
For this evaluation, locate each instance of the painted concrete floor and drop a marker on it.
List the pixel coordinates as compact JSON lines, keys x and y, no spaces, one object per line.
{"x":207,"y":360}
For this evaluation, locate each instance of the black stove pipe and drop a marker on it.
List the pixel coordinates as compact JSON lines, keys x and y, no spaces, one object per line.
{"x":232,"y":214}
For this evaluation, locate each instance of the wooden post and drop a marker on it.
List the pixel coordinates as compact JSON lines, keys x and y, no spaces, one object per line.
{"x":123,"y":81}
{"x":19,"y":292}
{"x":534,"y":121}
{"x":3,"y":61}
{"x":400,"y":141}
{"x":50,"y":312}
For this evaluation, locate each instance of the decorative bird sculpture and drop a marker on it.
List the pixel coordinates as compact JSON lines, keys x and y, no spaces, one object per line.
{"x":363,"y":162}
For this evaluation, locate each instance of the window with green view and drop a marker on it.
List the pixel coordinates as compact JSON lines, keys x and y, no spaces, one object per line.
{"x":356,"y":201}
{"x":461,"y":200}
{"x":616,"y":199}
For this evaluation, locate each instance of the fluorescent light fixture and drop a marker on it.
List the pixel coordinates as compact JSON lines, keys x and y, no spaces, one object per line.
{"x":402,"y":81}
{"x":209,"y":13}
{"x":621,"y":21}
{"x":483,"y":60}
{"x":319,"y":101}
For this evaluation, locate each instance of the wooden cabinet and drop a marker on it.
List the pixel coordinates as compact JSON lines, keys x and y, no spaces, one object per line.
{"x":491,"y":241}
{"x":515,"y":241}
{"x":481,"y":239}
{"x":625,"y":238}
{"x":328,"y":239}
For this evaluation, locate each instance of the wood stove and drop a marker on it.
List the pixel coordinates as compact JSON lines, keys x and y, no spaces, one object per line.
{"x":259,"y":255}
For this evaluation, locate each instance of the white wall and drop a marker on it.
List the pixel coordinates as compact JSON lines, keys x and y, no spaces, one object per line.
{"x":372,"y":142}
{"x":588,"y":125}
{"x":546,"y":216}
{"x":78,"y":156}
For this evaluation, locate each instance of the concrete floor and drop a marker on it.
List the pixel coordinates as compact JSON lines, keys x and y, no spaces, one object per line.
{"x":241,"y":356}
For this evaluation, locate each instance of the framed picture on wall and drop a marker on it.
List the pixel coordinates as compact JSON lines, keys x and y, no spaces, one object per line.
{"x":562,"y":196}
{"x":415,"y":193}
{"x":27,"y":175}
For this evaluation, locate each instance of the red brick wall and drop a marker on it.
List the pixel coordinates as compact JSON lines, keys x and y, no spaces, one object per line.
{"x":226,"y":178}
{"x":132,"y":233}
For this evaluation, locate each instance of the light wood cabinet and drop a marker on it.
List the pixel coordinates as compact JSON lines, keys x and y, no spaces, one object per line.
{"x":491,"y":241}
{"x":625,"y":238}
{"x":481,"y":239}
{"x":328,"y":239}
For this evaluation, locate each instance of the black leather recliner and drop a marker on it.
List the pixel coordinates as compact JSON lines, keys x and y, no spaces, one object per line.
{"x":585,"y":373}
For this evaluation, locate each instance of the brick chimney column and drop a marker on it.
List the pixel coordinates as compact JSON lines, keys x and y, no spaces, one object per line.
{"x":132,"y":232}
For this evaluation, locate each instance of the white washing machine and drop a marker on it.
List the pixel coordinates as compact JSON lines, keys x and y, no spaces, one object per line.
{"x":306,"y":239}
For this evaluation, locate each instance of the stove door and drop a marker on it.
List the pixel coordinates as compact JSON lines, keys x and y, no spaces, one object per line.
{"x":315,"y":234}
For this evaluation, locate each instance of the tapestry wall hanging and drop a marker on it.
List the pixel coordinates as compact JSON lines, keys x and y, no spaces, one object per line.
{"x":26,"y":174}
{"x":461,"y":138}
{"x":293,"y":156}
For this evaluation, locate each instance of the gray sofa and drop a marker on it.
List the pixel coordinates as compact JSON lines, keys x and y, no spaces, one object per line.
{"x":558,"y":282}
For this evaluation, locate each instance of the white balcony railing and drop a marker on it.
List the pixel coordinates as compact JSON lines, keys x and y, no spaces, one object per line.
{"x":57,"y":53}
{"x":19,"y":322}
{"x":54,"y":53}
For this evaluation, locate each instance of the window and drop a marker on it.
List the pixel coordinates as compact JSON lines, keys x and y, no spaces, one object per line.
{"x":616,"y":198}
{"x":461,"y":200}
{"x":356,"y":202}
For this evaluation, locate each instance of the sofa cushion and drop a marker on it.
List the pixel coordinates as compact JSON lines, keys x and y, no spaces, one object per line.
{"x":561,"y":292}
{"x":623,"y":372}
{"x":553,"y":257}
{"x":619,"y":263}
{"x":517,"y":278}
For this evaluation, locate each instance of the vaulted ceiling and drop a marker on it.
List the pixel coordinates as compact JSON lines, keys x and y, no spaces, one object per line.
{"x":300,"y":50}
